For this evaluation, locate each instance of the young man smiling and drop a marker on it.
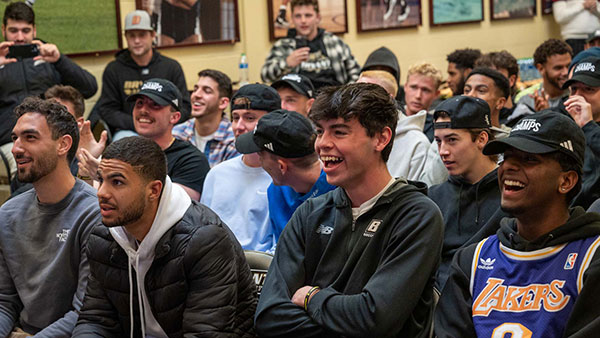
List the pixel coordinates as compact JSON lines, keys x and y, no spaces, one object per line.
{"x":311,"y":51}
{"x":336,"y":269}
{"x":538,"y":276}
{"x":470,"y":196}
{"x":209,"y":129}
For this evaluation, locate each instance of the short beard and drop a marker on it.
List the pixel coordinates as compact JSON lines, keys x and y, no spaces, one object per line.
{"x":40,"y":168}
{"x":133,"y":213}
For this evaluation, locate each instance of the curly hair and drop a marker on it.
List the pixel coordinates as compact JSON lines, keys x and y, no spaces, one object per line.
{"x":550,"y":47}
{"x":499,"y":60}
{"x":59,"y":120}
{"x":464,"y":58}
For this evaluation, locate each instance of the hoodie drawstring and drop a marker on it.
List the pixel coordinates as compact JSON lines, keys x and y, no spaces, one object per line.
{"x":139,"y":292}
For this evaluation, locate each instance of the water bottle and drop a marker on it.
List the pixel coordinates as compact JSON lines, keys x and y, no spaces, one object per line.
{"x":243,"y":70}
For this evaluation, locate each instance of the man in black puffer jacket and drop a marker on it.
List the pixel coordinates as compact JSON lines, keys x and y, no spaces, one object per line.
{"x":161,"y":265}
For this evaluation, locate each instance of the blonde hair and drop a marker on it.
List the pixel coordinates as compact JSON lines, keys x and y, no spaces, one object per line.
{"x":382,"y":78}
{"x":426,"y":69}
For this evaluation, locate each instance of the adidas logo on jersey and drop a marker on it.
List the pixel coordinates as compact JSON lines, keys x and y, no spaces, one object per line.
{"x":508,"y":298}
{"x":487,"y":264}
{"x":324,"y":230}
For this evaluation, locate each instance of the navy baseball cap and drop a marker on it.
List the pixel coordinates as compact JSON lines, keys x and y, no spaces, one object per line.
{"x":586,"y":71}
{"x":282,"y":132}
{"x":256,"y":96}
{"x":299,"y":83}
{"x":541,"y":133}
{"x":465,"y":112}
{"x":161,"y":91}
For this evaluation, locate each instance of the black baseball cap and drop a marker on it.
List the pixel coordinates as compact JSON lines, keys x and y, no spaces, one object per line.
{"x":465,"y":112}
{"x":299,"y":83}
{"x":586,"y":71}
{"x":282,"y":132}
{"x":161,"y":91}
{"x":541,"y":133}
{"x":593,"y":36}
{"x":256,"y":96}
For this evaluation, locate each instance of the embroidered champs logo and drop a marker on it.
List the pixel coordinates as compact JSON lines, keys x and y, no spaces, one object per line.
{"x":499,"y":297}
{"x":62,"y":236}
{"x":528,"y":124}
{"x":153,"y":86}
{"x":585,"y":67}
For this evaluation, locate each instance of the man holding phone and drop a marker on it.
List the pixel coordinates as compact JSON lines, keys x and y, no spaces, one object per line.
{"x":311,"y":51}
{"x":23,"y":74}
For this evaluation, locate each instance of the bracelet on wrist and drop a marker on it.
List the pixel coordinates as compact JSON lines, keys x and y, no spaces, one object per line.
{"x":310,"y":292}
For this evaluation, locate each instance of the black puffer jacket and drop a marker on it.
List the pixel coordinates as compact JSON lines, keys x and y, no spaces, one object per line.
{"x":199,"y":283}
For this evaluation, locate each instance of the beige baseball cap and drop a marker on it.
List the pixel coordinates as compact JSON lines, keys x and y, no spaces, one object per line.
{"x":138,"y":20}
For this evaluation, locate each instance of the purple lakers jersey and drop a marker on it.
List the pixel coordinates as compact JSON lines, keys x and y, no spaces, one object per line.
{"x":527,"y":294}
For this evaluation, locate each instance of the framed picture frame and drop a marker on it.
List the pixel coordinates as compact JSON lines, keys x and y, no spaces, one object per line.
{"x":393,"y":14}
{"x":78,"y":27}
{"x":333,"y":13}
{"x":546,"y":6}
{"x":510,"y":9}
{"x":447,"y":12}
{"x":192,"y":22}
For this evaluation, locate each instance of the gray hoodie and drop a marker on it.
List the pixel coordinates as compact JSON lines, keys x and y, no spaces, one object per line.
{"x":409,"y":152}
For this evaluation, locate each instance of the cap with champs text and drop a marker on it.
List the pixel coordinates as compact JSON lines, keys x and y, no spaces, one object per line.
{"x":161,"y":91}
{"x":541,"y":133}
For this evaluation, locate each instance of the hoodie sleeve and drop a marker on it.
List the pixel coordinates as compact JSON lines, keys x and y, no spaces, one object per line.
{"x":564,"y":13}
{"x":385,"y":303}
{"x":276,"y":65}
{"x":585,"y":318}
{"x":73,"y":75}
{"x":10,"y":303}
{"x":276,"y":315}
{"x":453,"y":316}
{"x":110,"y":104}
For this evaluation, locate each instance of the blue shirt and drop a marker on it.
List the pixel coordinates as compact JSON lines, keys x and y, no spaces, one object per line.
{"x":283,"y":201}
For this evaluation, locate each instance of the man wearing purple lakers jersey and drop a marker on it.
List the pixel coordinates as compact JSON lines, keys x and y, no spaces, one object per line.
{"x":539,"y":276}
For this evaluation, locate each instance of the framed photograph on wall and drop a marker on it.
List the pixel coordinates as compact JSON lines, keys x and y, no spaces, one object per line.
{"x":546,"y":6}
{"x":333,"y":17}
{"x":78,"y":27}
{"x":391,"y":14}
{"x":192,"y":22}
{"x":511,"y":9}
{"x":444,"y":12}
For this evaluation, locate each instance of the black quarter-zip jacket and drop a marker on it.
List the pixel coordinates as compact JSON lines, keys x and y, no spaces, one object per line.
{"x":466,"y":208}
{"x":376,"y":274}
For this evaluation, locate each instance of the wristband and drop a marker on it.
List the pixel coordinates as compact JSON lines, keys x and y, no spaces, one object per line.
{"x":308,"y":294}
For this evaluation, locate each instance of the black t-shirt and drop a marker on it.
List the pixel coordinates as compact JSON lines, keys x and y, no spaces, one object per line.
{"x":186,"y":165}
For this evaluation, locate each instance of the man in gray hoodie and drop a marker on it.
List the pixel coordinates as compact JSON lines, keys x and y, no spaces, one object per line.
{"x":44,"y":231}
{"x":162,"y":265}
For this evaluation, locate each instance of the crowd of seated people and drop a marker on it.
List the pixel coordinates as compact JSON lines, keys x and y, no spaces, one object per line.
{"x":382,"y":210}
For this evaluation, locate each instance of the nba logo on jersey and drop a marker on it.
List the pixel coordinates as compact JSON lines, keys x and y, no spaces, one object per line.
{"x":570,"y":263}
